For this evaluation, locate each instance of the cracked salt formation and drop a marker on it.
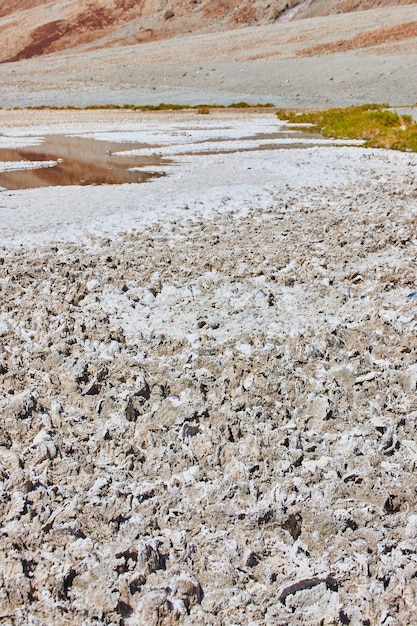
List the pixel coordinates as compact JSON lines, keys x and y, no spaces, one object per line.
{"x":211,"y":419}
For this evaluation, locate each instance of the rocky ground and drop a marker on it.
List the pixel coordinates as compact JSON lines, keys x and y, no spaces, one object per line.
{"x":211,"y":420}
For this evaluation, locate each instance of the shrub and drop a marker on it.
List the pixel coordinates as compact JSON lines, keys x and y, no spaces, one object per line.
{"x":377,"y":126}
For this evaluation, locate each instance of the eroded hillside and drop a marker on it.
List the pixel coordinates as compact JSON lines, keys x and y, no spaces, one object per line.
{"x":33,"y":27}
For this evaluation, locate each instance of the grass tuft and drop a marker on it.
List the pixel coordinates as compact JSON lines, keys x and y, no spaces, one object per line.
{"x":377,"y":126}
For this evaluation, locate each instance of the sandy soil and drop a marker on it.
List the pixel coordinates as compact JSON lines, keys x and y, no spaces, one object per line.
{"x":209,"y":383}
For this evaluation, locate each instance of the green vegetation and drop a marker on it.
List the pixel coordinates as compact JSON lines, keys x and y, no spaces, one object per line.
{"x":162,"y":106}
{"x":246,"y":105}
{"x":374,"y":123}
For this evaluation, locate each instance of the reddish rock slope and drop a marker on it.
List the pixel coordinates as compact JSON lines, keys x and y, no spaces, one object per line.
{"x":34,"y":27}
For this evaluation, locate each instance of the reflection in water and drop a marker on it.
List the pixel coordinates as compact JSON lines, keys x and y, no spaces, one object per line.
{"x":85,"y":161}
{"x":80,"y":161}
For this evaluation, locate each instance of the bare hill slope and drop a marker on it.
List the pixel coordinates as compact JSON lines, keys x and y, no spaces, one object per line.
{"x":34,"y":27}
{"x":109,"y":57}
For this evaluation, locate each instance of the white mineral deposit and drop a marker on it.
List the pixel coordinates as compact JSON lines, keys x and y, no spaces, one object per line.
{"x":209,"y":383}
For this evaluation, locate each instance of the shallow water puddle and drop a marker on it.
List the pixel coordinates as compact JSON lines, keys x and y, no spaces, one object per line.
{"x":62,"y":160}
{"x":79,"y":161}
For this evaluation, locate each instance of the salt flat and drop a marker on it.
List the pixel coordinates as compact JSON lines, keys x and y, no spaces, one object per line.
{"x":221,"y":163}
{"x":208,"y":382}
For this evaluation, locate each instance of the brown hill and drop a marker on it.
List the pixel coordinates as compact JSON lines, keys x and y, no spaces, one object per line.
{"x":31,"y":28}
